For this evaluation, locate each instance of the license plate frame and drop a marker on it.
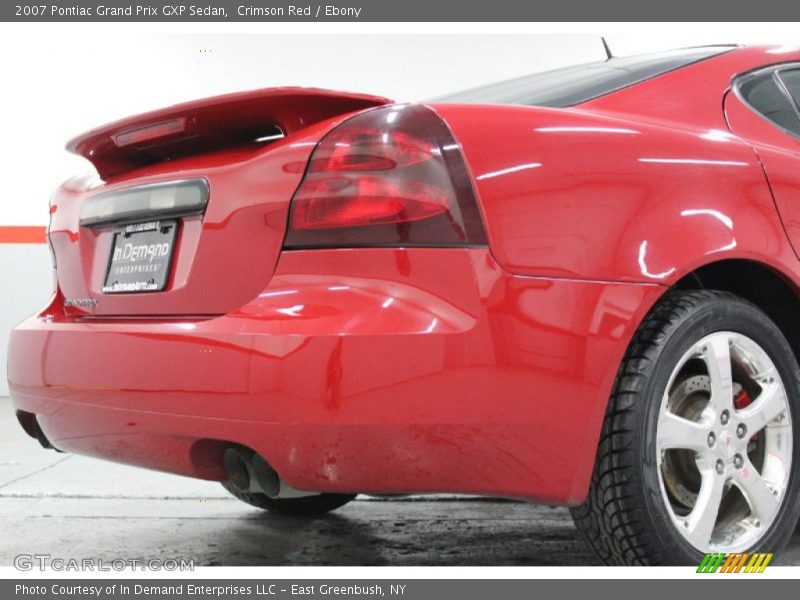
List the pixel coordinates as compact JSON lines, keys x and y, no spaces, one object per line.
{"x":140,"y":260}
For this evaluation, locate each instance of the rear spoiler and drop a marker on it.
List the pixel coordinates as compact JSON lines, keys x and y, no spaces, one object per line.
{"x":229,"y":121}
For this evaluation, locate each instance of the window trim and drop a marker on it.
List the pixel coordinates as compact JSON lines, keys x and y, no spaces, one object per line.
{"x":775,"y":71}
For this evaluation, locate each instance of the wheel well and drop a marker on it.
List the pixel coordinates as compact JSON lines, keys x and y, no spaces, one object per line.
{"x":758,"y":283}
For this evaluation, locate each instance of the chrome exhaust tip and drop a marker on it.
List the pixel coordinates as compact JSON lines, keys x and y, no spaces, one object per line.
{"x":237,"y":467}
{"x":266,"y":477}
{"x":250,"y":472}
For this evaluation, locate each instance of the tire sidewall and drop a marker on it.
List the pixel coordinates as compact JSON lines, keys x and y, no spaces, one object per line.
{"x":720,"y":314}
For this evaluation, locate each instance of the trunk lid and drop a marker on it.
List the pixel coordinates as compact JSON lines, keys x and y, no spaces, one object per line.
{"x":250,"y":149}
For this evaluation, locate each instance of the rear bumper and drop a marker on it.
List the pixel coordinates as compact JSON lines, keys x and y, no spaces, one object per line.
{"x":383,"y":371}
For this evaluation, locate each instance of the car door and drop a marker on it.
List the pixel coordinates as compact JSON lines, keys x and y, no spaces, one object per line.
{"x":763,"y":108}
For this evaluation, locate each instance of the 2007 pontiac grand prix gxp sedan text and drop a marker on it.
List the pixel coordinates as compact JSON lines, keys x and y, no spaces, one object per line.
{"x":578,"y":287}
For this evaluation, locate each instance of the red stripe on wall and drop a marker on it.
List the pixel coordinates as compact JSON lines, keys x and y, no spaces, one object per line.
{"x":22,"y":235}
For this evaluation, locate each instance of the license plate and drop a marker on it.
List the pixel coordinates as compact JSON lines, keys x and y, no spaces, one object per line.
{"x":140,"y":258}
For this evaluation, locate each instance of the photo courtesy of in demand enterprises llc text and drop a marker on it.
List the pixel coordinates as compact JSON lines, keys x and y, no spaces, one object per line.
{"x":420,"y":300}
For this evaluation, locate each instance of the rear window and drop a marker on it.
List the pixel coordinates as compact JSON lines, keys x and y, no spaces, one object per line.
{"x":572,"y":85}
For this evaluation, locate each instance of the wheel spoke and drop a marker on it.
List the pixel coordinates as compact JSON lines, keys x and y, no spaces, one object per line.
{"x":763,"y":503}
{"x":701,"y":521}
{"x":676,"y":432}
{"x":718,"y":361}
{"x":770,"y":403}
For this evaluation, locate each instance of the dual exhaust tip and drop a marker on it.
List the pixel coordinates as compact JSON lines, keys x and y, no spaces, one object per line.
{"x":249,"y":472}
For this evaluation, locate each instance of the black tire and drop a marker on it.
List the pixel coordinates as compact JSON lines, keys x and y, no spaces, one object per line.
{"x":625,"y":518}
{"x":306,"y":506}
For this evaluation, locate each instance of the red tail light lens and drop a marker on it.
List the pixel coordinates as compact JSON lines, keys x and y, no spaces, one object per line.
{"x":390,"y":176}
{"x":366,"y":201}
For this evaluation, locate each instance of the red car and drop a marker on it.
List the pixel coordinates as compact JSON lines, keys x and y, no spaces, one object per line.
{"x":578,"y":288}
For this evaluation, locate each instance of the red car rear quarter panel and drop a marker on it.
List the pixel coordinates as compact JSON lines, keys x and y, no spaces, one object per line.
{"x":386,"y":371}
{"x":569,"y":193}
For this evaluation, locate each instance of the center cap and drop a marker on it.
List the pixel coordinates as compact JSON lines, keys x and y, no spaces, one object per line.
{"x":726,"y":445}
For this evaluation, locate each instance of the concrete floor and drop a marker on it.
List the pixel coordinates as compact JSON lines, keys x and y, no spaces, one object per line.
{"x":75,"y":507}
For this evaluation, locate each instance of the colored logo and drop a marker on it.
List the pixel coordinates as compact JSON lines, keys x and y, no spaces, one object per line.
{"x":738,"y":562}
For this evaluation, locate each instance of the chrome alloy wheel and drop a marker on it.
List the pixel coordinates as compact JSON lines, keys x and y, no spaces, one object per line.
{"x":724,"y":443}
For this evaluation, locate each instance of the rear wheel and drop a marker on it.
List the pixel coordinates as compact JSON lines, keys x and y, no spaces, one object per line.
{"x":305,"y":506}
{"x":697,"y":452}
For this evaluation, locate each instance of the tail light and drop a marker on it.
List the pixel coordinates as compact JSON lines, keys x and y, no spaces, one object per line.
{"x":392,"y":176}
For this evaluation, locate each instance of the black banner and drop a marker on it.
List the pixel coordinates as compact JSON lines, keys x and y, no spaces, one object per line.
{"x":394,"y":11}
{"x":733,"y":588}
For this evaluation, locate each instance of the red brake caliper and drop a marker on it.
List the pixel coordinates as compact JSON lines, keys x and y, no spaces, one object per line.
{"x":741,"y":399}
